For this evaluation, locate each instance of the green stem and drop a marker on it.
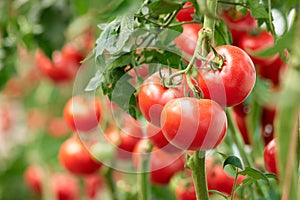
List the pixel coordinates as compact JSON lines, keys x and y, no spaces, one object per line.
{"x":197,"y":165}
{"x":236,"y":136}
{"x":234,"y":184}
{"x":108,"y":178}
{"x":144,"y":176}
{"x":208,"y":25}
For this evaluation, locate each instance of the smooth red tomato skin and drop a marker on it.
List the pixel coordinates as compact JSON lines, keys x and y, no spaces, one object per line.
{"x":194,"y":124}
{"x":218,"y":179}
{"x":253,"y":43}
{"x":124,"y":140}
{"x":187,"y":40}
{"x":33,"y":177}
{"x":60,"y":70}
{"x":71,"y":53}
{"x":231,"y":84}
{"x":74,"y":157}
{"x":163,"y":165}
{"x":65,"y":187}
{"x":156,"y":136}
{"x":238,"y":23}
{"x":273,"y":71}
{"x":239,"y":113}
{"x":81,"y":114}
{"x":270,"y":154}
{"x":185,"y":14}
{"x":93,"y":185}
{"x":153,"y":96}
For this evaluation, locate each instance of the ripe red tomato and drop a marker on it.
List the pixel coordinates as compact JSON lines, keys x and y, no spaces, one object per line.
{"x":185,"y":191}
{"x":273,"y":71}
{"x":125,"y":139}
{"x":33,"y":177}
{"x":187,"y":40}
{"x":267,"y":124}
{"x":57,"y":127}
{"x":60,"y":70}
{"x":153,"y":96}
{"x":232,"y":83}
{"x":75,"y":158}
{"x":64,"y":187}
{"x":240,"y":112}
{"x":194,"y":124}
{"x":185,"y":14}
{"x":93,"y":185}
{"x":238,"y":23}
{"x":163,"y":165}
{"x":71,"y":53}
{"x":256,"y":42}
{"x":270,"y":156}
{"x":156,"y":136}
{"x":82,"y":114}
{"x":218,"y":179}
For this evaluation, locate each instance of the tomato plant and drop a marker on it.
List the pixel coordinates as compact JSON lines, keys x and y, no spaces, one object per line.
{"x":232,"y":81}
{"x":166,"y":87}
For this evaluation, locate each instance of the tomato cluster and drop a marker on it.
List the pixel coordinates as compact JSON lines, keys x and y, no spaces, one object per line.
{"x":63,"y":66}
{"x":178,"y":111}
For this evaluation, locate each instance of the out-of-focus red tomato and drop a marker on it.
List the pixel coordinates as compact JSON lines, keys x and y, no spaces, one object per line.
{"x":64,"y":187}
{"x":185,"y":14}
{"x":33,"y":177}
{"x":238,"y":23}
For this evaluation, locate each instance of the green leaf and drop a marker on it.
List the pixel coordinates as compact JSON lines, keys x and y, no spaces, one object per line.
{"x":257,"y":9}
{"x":95,"y":81}
{"x":273,"y":176}
{"x":234,"y":161}
{"x":222,"y":35}
{"x":162,"y":193}
{"x":163,"y":7}
{"x":106,"y":40}
{"x":255,"y":174}
{"x":123,"y":92}
{"x":282,"y":43}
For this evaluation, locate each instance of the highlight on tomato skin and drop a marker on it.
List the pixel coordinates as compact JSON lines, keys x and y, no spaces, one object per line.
{"x":194,"y":124}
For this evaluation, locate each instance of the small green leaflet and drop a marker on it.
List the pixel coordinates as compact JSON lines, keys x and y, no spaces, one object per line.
{"x":234,"y":161}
